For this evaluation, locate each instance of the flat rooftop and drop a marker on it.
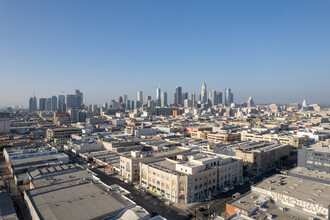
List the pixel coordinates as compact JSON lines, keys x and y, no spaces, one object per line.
{"x":316,"y":148}
{"x":302,"y":189}
{"x":250,"y":146}
{"x":73,"y":193}
{"x":30,"y":149}
{"x":6,"y":206}
{"x":22,"y":161}
{"x":312,"y":174}
{"x":250,"y":200}
{"x":160,"y":153}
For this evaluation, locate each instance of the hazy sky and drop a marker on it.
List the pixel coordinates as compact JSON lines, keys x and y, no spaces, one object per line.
{"x":276,"y":51}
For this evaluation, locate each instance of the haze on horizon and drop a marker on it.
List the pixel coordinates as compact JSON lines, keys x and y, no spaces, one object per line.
{"x":275,"y":51}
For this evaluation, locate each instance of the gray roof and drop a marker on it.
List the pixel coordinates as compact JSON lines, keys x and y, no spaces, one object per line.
{"x":73,"y":193}
{"x":6,"y":205}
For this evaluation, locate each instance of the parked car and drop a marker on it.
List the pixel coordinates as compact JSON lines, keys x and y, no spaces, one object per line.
{"x":241,"y":183}
{"x":231,"y":187}
{"x":226,"y":189}
{"x":201,"y":209}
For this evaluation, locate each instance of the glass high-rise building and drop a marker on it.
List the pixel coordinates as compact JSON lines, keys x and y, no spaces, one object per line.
{"x":61,"y":103}
{"x":139,"y":96}
{"x":178,"y":96}
{"x":54,"y":103}
{"x":33,"y":104}
{"x":158,"y":98}
{"x":80,"y":98}
{"x":164,"y":99}
{"x":42,"y":104}
{"x":204,"y":93}
{"x":229,"y":97}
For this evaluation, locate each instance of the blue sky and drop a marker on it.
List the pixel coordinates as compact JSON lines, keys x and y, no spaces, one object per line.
{"x":276,"y":51}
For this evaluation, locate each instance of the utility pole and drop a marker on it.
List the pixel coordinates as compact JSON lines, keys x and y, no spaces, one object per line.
{"x":195,"y":211}
{"x":209,"y":205}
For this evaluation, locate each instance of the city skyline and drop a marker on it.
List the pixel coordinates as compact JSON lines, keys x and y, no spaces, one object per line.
{"x":276,"y":52}
{"x":160,"y":99}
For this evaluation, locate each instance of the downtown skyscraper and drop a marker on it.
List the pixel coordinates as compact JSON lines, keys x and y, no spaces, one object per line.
{"x":204,"y":93}
{"x":164,"y":99}
{"x":158,"y":98}
{"x":33,"y":104}
{"x":140,"y":97}
{"x":229,"y":97}
{"x":178,"y":96}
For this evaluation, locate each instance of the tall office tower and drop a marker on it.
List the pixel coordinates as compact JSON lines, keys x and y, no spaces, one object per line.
{"x":120,"y":100}
{"x":192,"y":98}
{"x":158,"y":98}
{"x":33,"y":104}
{"x":229,"y":97}
{"x":185,"y":95}
{"x":187,"y":103}
{"x":105,"y":106}
{"x":132,"y":105}
{"x":61,"y":103}
{"x":137,"y":104}
{"x":48,"y":104}
{"x":54,"y":103}
{"x":204,"y":93}
{"x":125,"y":98}
{"x":164,"y":99}
{"x":72,"y":101}
{"x":178,"y":96}
{"x":128,"y":104}
{"x":219,"y":97}
{"x":42,"y":104}
{"x":95,"y":108}
{"x":212,"y":97}
{"x":139,"y":96}
{"x":250,"y":102}
{"x":113,"y":103}
{"x":148,"y":98}
{"x":304,"y":103}
{"x":80,"y":99}
{"x":199,"y":97}
{"x":151,"y":103}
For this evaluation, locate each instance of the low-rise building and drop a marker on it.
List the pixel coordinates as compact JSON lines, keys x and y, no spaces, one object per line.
{"x":7,"y":209}
{"x":315,"y":157}
{"x":23,"y":159}
{"x":61,"y":133}
{"x":71,"y":192}
{"x":190,"y":177}
{"x":130,"y":164}
{"x":313,"y":175}
{"x":258,"y":157}
{"x":224,"y":137}
{"x":293,"y":140}
{"x":61,"y":118}
{"x":283,"y":197}
{"x":83,"y":146}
